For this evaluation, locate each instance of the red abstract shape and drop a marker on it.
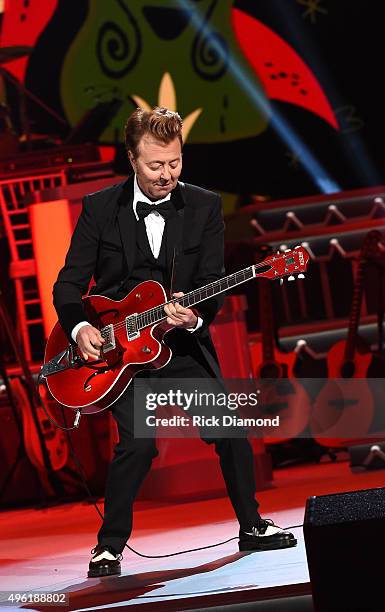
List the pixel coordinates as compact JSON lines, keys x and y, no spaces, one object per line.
{"x":23,"y":22}
{"x":283,"y":73}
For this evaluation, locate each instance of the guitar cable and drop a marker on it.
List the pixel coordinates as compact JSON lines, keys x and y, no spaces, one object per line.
{"x":91,"y":498}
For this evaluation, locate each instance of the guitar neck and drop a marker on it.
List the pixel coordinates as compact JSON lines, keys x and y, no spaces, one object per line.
{"x":275,"y":266}
{"x":157,"y":314}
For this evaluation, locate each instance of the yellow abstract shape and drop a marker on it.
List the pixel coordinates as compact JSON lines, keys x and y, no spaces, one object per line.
{"x":141,"y":103}
{"x":189,"y":122}
{"x":167,"y":99}
{"x":167,"y":95}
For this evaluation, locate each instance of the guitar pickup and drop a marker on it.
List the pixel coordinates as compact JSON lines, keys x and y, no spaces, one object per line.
{"x":109,"y":336}
{"x":132,"y":327}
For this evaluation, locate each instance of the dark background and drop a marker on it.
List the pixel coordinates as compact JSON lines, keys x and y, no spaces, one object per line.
{"x":344,"y":47}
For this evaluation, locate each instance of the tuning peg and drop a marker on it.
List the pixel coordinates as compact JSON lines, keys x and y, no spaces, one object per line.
{"x":291,"y":278}
{"x":301,"y":276}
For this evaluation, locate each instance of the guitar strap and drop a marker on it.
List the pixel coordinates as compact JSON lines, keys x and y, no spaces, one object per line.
{"x":178,"y":245}
{"x":207,"y":354}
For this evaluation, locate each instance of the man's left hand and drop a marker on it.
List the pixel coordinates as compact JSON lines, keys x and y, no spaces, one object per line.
{"x":179,"y":316}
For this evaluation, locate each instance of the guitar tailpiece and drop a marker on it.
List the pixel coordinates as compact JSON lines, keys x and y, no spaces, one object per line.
{"x":77,"y":418}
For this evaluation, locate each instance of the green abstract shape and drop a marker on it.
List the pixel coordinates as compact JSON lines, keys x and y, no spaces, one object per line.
{"x":120,"y":52}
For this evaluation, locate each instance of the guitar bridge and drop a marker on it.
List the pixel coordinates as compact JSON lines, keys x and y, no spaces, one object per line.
{"x":109,"y":335}
{"x":132,"y":327}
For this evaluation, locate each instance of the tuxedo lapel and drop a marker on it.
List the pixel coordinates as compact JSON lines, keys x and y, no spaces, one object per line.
{"x":142,"y":242}
{"x":127,"y":222}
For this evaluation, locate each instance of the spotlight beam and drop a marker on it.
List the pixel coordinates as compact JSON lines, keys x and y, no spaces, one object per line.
{"x":285,"y":132}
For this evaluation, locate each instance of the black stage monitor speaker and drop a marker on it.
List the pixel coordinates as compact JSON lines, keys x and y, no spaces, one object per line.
{"x":345,"y":547}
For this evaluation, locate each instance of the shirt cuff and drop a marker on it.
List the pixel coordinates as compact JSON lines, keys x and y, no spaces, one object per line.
{"x":76,"y":329}
{"x":198,"y":324}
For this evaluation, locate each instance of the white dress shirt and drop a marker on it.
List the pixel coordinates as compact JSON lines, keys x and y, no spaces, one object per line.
{"x":154,"y":221}
{"x":154,"y":227}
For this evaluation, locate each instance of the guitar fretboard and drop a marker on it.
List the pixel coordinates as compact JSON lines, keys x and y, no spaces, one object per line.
{"x":157,"y":314}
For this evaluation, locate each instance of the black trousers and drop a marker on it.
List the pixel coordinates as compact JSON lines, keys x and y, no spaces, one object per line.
{"x":133,"y":456}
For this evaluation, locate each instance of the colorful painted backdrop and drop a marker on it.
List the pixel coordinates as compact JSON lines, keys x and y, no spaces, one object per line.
{"x":236,"y":70}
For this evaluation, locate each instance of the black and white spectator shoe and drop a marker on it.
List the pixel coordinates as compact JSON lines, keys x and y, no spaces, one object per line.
{"x":105,"y":562}
{"x":265,"y":536}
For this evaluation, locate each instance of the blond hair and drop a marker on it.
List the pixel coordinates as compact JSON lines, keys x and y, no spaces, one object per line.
{"x":161,"y":123}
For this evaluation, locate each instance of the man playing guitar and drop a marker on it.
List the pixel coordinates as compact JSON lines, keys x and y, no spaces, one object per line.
{"x":153,"y":226}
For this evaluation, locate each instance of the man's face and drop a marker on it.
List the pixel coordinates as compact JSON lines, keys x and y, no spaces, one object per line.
{"x":157,"y":166}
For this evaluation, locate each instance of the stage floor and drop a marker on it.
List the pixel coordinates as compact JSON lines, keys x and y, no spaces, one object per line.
{"x":48,"y":550}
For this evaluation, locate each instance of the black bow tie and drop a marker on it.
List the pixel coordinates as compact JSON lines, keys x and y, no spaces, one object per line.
{"x":164,"y":208}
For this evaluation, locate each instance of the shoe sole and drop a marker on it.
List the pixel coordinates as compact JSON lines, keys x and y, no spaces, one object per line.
{"x":101,"y":573}
{"x":248,"y":546}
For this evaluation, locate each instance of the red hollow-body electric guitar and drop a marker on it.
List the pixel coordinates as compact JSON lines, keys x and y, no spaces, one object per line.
{"x":134,"y":329}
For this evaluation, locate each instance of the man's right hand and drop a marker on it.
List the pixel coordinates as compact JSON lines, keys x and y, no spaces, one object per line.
{"x":89,"y":340}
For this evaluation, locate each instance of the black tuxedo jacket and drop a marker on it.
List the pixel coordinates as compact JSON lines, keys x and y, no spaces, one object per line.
{"x":104,"y":242}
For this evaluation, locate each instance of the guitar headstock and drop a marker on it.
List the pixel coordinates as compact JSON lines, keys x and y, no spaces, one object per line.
{"x":278,"y":265}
